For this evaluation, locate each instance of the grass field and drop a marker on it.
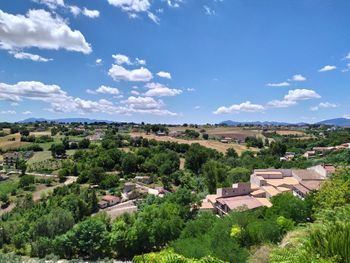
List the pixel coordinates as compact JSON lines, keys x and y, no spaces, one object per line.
{"x":221,"y":147}
{"x":43,"y":133}
{"x":39,"y":157}
{"x":6,"y":142}
{"x":290,"y":132}
{"x":9,"y":185}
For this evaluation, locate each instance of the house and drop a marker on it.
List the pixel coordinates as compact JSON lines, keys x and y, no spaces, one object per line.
{"x":309,"y":154}
{"x":108,"y":200}
{"x":11,"y":158}
{"x":288,"y":156}
{"x":323,"y":150}
{"x":265,"y":184}
{"x":143,"y":179}
{"x":227,"y":199}
{"x":128,"y":187}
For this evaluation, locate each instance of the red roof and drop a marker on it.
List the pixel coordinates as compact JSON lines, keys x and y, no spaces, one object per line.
{"x":109,"y":198}
{"x":239,"y":201}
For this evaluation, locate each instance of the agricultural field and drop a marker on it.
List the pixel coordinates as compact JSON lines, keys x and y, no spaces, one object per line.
{"x":217,"y":145}
{"x":11,"y":141}
{"x":291,"y":132}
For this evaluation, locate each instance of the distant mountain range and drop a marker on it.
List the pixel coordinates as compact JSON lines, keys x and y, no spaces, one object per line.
{"x":342,"y":122}
{"x":64,"y":120}
{"x":262,"y":123}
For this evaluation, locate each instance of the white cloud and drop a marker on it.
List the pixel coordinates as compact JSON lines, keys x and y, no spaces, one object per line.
{"x":190,"y":89}
{"x":146,"y":105}
{"x":32,"y":90}
{"x":281,"y":103}
{"x":121,"y":59}
{"x":98,"y":61}
{"x":53,"y":4}
{"x":197,"y":107}
{"x":280,"y":84}
{"x":118,"y":72}
{"x":208,"y":11}
{"x":301,"y":94}
{"x":60,"y":101}
{"x":237,"y":108}
{"x":8,"y":112}
{"x":293,"y":97}
{"x":26,"y":112}
{"x":164,"y":74}
{"x":29,"y":56}
{"x":347,"y":56}
{"x":153,"y":17}
{"x":91,"y":13}
{"x":298,"y":77}
{"x":140,"y":61}
{"x":160,"y":90}
{"x":327,"y":68}
{"x":174,"y":3}
{"x":39,"y":28}
{"x":107,"y":90}
{"x":131,"y":5}
{"x":75,"y":10}
{"x":323,"y":105}
{"x":135,"y":92}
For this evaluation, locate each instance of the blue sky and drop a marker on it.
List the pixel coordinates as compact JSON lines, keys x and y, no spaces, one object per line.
{"x":175,"y":61}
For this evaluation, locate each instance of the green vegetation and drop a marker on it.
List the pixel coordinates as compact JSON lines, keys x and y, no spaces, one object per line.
{"x":63,"y":223}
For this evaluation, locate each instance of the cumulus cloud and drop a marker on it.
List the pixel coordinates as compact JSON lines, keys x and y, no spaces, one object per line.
{"x":146,"y":105}
{"x":140,"y":61}
{"x":75,"y":10}
{"x":26,"y":112}
{"x":117,"y":72}
{"x":281,"y":103}
{"x":327,"y":68}
{"x":53,"y":4}
{"x":160,"y":90}
{"x":293,"y":97}
{"x":98,"y":61}
{"x":280,"y":84}
{"x":164,"y":74}
{"x":60,"y":101}
{"x":237,"y":108}
{"x":29,"y":56}
{"x":324,"y":105}
{"x":91,"y":13}
{"x":298,"y":77}
{"x":301,"y":94}
{"x":135,"y":92}
{"x":107,"y":90}
{"x":32,"y":90}
{"x":132,"y":7}
{"x":121,"y":59}
{"x":41,"y":29}
{"x":8,"y":112}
